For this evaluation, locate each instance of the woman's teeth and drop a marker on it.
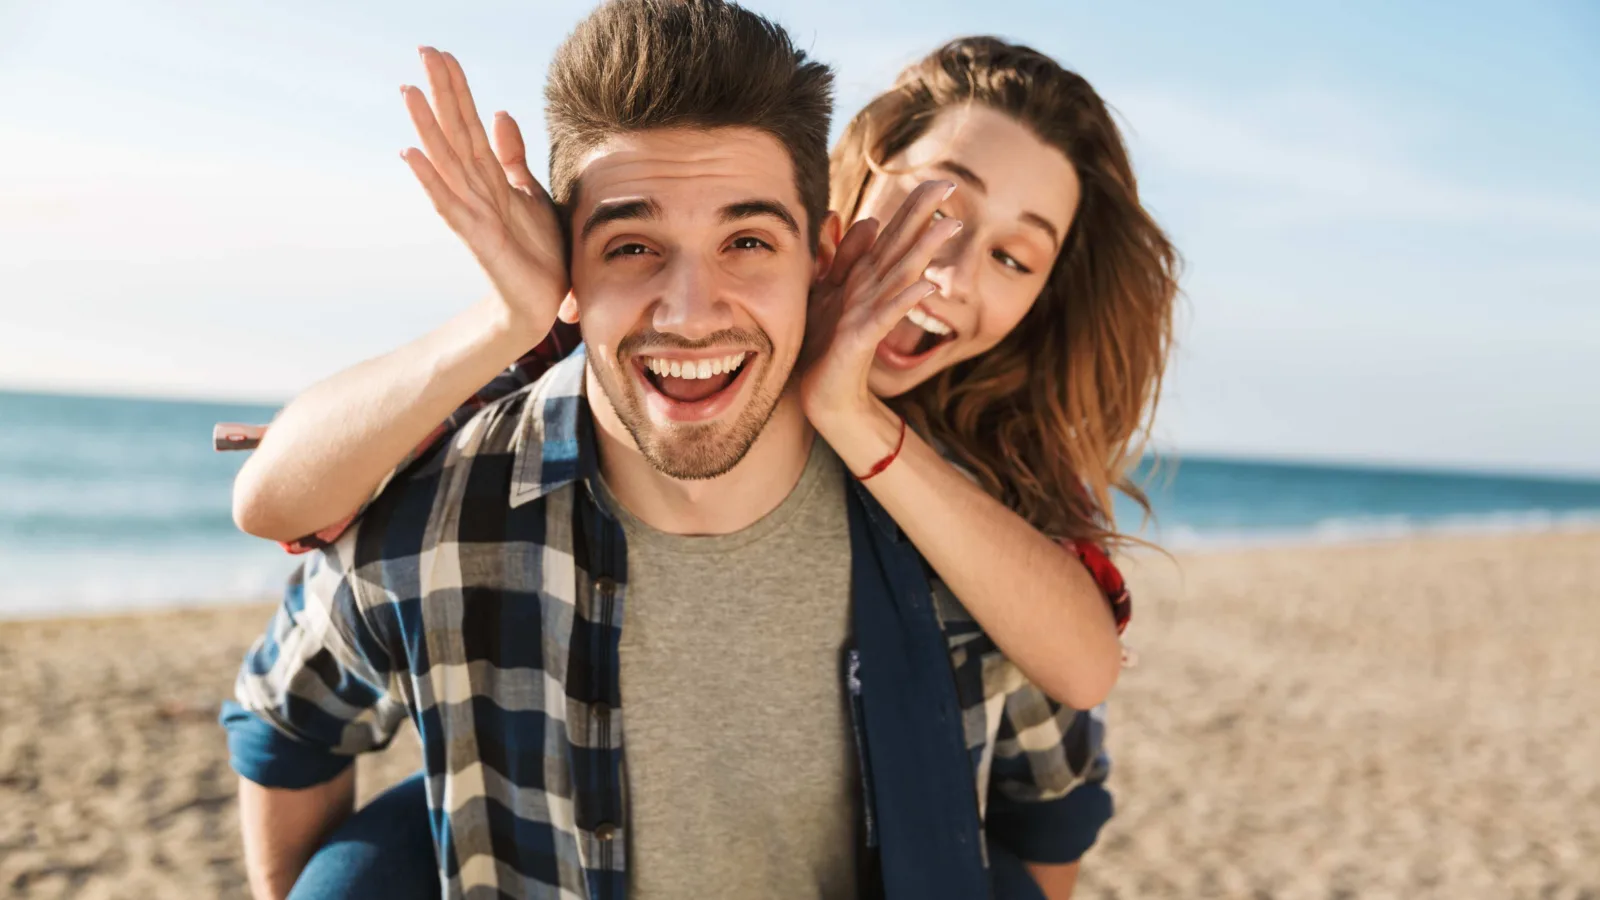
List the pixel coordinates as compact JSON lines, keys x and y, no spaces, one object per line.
{"x":691,"y":368}
{"x":927,"y":323}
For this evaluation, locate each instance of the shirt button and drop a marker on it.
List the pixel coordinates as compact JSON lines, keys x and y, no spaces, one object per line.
{"x":605,"y":585}
{"x":605,"y":831}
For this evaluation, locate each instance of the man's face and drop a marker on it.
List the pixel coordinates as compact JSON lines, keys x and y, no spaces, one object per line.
{"x":690,"y":272}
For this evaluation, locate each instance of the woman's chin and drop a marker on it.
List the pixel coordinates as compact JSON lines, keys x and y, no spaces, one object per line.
{"x":888,"y":383}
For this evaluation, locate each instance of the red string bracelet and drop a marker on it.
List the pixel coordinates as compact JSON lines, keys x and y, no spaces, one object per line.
{"x":893,"y":454}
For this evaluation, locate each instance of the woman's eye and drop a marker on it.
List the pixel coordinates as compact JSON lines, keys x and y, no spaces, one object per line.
{"x":750,"y":243}
{"x":627,"y":250}
{"x":1010,"y":262}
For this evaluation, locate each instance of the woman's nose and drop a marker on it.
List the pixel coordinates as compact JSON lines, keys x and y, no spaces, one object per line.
{"x":954,"y":268}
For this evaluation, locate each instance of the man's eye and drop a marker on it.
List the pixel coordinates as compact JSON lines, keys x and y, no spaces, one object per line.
{"x":1010,"y":262}
{"x":627,"y":250}
{"x":749,"y":243}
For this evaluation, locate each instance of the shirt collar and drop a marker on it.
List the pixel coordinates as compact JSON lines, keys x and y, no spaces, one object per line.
{"x":556,"y":446}
{"x":555,"y":440}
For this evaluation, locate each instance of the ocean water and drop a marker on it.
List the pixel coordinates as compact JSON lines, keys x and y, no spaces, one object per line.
{"x":115,"y":503}
{"x":110,"y":503}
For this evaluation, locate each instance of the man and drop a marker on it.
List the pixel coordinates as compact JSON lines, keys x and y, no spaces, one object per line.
{"x":792,"y":727}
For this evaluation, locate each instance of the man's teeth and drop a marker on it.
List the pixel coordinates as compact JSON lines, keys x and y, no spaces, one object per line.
{"x":692,"y":369}
{"x":926,"y":322}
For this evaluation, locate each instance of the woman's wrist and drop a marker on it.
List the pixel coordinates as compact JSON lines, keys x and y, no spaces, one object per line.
{"x":862,"y":435}
{"x":509,"y":329}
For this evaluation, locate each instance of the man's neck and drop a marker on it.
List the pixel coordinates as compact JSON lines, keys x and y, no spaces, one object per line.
{"x":730,"y":502}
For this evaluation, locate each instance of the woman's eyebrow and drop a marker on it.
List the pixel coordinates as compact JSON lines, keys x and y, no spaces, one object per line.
{"x":971,"y":177}
{"x":1038,"y":221}
{"x":963,"y":173}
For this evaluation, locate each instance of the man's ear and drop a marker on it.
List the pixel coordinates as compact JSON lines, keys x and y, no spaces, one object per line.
{"x":568,"y":311}
{"x":828,"y":237}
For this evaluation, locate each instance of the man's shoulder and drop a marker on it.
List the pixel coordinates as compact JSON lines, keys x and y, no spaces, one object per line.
{"x":473,"y":472}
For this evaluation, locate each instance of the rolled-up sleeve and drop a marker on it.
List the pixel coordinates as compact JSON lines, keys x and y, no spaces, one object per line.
{"x":313,"y":691}
{"x":1047,"y":789}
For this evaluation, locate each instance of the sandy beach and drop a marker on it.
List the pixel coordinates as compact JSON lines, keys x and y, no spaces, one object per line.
{"x":1400,"y":719}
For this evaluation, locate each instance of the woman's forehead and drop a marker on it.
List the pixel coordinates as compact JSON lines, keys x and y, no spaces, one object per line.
{"x":993,"y":155}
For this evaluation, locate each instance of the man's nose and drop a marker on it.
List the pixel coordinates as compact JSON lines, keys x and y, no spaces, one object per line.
{"x":690,"y":305}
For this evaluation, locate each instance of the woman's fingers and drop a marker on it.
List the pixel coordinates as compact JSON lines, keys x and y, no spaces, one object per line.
{"x":854,"y":245}
{"x":888,"y":315}
{"x":446,"y":102}
{"x":445,"y":200}
{"x":909,"y":221}
{"x":531,"y":212}
{"x":434,"y":143}
{"x":918,"y":256}
{"x":513,"y":155}
{"x":469,"y":112}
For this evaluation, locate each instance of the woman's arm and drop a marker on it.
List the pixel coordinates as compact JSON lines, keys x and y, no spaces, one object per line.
{"x":562,"y":340}
{"x":1056,"y":881}
{"x":1034,"y":599}
{"x":1032,"y":596}
{"x":328,"y":451}
{"x":331,"y":448}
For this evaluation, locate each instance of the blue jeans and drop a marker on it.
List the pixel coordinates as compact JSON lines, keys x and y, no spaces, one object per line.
{"x":386,"y":851}
{"x":383,"y":851}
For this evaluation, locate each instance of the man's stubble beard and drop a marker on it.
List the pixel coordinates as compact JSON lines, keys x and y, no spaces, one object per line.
{"x":693,"y":452}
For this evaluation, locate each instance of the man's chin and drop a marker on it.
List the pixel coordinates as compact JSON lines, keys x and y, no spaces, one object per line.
{"x":696,"y":452}
{"x":700,"y":448}
{"x":698,"y":439}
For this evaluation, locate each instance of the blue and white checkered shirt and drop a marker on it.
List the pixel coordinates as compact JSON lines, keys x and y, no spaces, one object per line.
{"x":481,"y":597}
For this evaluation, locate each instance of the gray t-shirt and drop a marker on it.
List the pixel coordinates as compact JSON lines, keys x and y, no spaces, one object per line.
{"x":740,"y":764}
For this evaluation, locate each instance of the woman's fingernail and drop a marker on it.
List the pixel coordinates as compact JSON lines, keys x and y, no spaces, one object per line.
{"x":949,"y":190}
{"x":956,"y":228}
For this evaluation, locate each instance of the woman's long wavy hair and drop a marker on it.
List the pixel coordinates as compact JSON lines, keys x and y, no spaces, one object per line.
{"x":1055,"y":416}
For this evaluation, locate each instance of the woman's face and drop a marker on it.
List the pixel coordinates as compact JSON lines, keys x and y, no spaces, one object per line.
{"x":1015,"y":196}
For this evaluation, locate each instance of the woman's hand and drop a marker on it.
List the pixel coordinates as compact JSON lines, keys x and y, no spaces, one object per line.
{"x":874,"y":280}
{"x":489,"y":199}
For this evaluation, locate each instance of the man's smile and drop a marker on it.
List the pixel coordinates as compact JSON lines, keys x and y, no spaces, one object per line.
{"x":692,"y":386}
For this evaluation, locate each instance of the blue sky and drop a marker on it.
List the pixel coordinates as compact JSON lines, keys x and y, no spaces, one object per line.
{"x":1390,"y":212}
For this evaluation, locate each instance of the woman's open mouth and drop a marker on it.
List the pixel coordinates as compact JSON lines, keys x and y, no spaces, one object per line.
{"x":914,"y":339}
{"x":693,"y":388}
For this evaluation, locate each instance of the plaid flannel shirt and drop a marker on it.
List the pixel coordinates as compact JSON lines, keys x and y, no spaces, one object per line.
{"x":481,"y":596}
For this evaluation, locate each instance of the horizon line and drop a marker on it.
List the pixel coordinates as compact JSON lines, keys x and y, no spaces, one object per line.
{"x":1165,"y":455}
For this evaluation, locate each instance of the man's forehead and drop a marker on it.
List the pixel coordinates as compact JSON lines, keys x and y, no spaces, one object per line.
{"x":709,"y":164}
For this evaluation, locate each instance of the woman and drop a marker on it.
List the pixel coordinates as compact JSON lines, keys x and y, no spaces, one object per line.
{"x":1027,"y":347}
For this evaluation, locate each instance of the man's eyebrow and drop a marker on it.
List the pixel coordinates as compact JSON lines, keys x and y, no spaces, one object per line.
{"x":618,"y":211}
{"x":749,"y":209}
{"x":971,"y":177}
